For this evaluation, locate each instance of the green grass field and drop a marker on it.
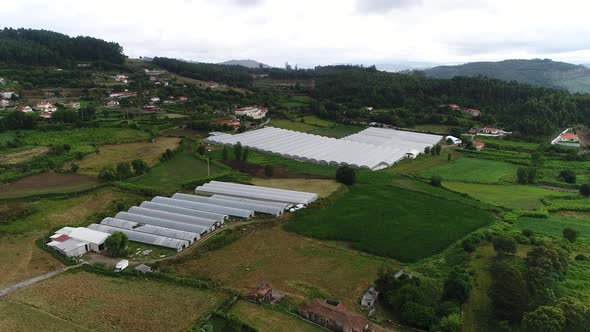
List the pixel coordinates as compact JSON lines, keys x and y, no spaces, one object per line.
{"x":554,"y":225}
{"x":316,"y":121}
{"x":7,"y":136}
{"x":15,"y":316}
{"x":473,"y":170}
{"x":433,"y":128}
{"x":387,"y":221}
{"x":509,"y":196}
{"x":509,"y":144}
{"x":292,"y":125}
{"x":170,"y":175}
{"x":267,"y":319}
{"x":85,"y":136}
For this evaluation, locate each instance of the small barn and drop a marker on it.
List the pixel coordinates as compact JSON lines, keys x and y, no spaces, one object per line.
{"x":94,"y":239}
{"x":369,"y":298}
{"x":68,"y":246}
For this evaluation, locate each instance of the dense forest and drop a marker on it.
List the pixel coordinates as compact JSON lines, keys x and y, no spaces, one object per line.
{"x":542,"y":72}
{"x":228,"y":74}
{"x":47,"y":48}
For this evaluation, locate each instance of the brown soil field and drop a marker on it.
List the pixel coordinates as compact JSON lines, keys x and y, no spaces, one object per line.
{"x":104,"y":303}
{"x":322,"y":187}
{"x":301,"y":267}
{"x":19,"y":157}
{"x":111,"y":155}
{"x":47,"y":183}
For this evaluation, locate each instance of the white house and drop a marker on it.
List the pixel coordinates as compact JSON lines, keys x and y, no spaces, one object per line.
{"x":113,"y":103}
{"x":7,"y":94}
{"x":121,"y":78}
{"x":94,"y":239}
{"x":45,"y":107}
{"x":25,"y":109}
{"x":453,"y":140}
{"x":155,"y":100}
{"x":254,"y":112}
{"x":73,"y":104}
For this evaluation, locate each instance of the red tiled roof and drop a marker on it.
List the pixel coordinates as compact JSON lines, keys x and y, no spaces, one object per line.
{"x":61,"y":238}
{"x":569,"y":136}
{"x":479,"y":143}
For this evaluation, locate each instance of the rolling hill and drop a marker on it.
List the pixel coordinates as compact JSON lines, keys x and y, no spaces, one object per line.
{"x":542,"y":72}
{"x":245,"y":63}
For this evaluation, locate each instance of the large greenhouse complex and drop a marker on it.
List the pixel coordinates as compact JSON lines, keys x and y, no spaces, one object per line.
{"x":372,"y":148}
{"x":181,"y":220}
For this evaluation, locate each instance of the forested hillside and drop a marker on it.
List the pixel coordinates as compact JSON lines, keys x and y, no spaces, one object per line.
{"x":547,"y":73}
{"x":47,"y":48}
{"x":229,"y":74}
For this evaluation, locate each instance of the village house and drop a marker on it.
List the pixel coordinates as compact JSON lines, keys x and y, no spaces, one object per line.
{"x":153,"y":79}
{"x":7,"y":94}
{"x":479,"y":145}
{"x":113,"y":104}
{"x":235,"y":124}
{"x":155,"y":100}
{"x":5,"y":102}
{"x":334,"y":316}
{"x":211,"y":85}
{"x":262,"y":293}
{"x":369,"y":298}
{"x":121,"y":78}
{"x":2,"y":80}
{"x":151,"y":109}
{"x":153,"y":72}
{"x":182,"y":99}
{"x":455,"y":106}
{"x":569,"y":137}
{"x":25,"y":109}
{"x":45,"y":107}
{"x":45,"y":115}
{"x":488,"y":131}
{"x":472,"y":112}
{"x":73,"y":105}
{"x":254,"y":112}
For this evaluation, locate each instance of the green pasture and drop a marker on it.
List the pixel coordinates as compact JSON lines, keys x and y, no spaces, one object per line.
{"x":473,"y":170}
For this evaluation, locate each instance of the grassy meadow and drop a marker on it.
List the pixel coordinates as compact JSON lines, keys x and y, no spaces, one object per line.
{"x":85,"y":136}
{"x":473,"y":170}
{"x":266,"y":319}
{"x":554,"y":225}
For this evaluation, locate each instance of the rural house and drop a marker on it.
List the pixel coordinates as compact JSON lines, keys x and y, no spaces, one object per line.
{"x":369,"y":298}
{"x":254,"y":112}
{"x":73,"y":105}
{"x":45,"y":107}
{"x":569,"y":138}
{"x":25,"y":109}
{"x":262,"y":293}
{"x":479,"y":145}
{"x":112,"y":103}
{"x":5,"y":102}
{"x":472,"y":112}
{"x":333,"y":315}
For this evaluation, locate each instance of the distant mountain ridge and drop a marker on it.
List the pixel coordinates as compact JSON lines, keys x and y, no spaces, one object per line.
{"x":543,"y":72}
{"x":245,"y":63}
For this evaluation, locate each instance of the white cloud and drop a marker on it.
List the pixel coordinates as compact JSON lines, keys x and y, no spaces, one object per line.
{"x":310,"y":32}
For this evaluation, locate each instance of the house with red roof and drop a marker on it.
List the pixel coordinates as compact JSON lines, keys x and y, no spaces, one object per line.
{"x":472,"y":112}
{"x":479,"y":145}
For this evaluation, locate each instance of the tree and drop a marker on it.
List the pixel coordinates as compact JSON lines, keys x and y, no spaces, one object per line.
{"x":568,"y":176}
{"x":449,"y":157}
{"x":74,"y":168}
{"x":346,"y":175}
{"x":427,"y":150}
{"x":504,"y":245}
{"x":225,"y":153}
{"x":436,"y":180}
{"x":585,"y":189}
{"x":139,"y":166}
{"x":508,"y":292}
{"x":116,"y":244}
{"x":123,"y":171}
{"x":201,"y":150}
{"x":570,"y":234}
{"x":450,"y":323}
{"x":577,"y":314}
{"x":437,"y":149}
{"x":238,"y":151}
{"x":269,"y":170}
{"x":107,"y":173}
{"x":457,"y":286}
{"x":522,"y":175}
{"x":245,"y":154}
{"x":418,"y":315}
{"x":544,"y":319}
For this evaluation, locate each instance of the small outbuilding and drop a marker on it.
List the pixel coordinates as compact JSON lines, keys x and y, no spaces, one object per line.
{"x":453,"y":140}
{"x":143,"y":268}
{"x":262,"y":293}
{"x":369,"y":298}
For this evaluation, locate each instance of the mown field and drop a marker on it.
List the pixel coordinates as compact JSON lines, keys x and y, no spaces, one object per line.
{"x":301,"y":267}
{"x":111,"y":155}
{"x":386,"y":220}
{"x":509,"y":196}
{"x":266,"y":319}
{"x":554,"y":225}
{"x":322,"y":187}
{"x":104,"y":303}
{"x":170,"y":175}
{"x":473,"y":170}
{"x":47,"y":183}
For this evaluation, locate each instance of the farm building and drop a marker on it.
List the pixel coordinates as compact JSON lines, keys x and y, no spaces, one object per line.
{"x":68,"y":246}
{"x":332,"y":315}
{"x":262,"y":293}
{"x":369,"y":298}
{"x":372,"y":148}
{"x":94,"y":239}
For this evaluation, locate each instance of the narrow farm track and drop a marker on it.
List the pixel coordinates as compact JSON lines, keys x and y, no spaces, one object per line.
{"x":34,"y":280}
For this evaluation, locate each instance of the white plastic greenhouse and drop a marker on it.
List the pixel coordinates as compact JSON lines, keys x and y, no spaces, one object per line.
{"x":256,"y":207}
{"x":162,"y":222}
{"x":204,"y":207}
{"x":373,"y":148}
{"x":208,"y":223}
{"x":220,"y":218}
{"x":155,"y":240}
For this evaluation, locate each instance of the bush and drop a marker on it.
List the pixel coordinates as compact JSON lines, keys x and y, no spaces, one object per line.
{"x":116,"y":244}
{"x":167,"y":155}
{"x":457,"y":287}
{"x":123,"y":171}
{"x":346,"y":175}
{"x":570,"y":234}
{"x":585,"y":189}
{"x":581,"y":258}
{"x":108,"y":174}
{"x":74,"y":168}
{"x":269,"y":170}
{"x":568,"y":176}
{"x":238,"y":151}
{"x":225,"y":153}
{"x":436,"y":180}
{"x":139,"y":166}
{"x":526,"y":175}
{"x":527,"y":232}
{"x":504,"y":245}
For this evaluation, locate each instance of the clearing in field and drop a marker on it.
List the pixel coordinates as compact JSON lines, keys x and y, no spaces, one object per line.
{"x":510,"y":196}
{"x":105,"y":303}
{"x":22,"y":156}
{"x":111,"y":155}
{"x":267,"y":319}
{"x":322,"y":187}
{"x":169,"y":176}
{"x":301,"y":267}
{"x":47,"y":183}
{"x":393,"y":222}
{"x":473,"y":170}
{"x":554,"y":225}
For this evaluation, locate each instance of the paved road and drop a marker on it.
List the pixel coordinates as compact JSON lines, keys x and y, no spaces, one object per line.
{"x":8,"y":290}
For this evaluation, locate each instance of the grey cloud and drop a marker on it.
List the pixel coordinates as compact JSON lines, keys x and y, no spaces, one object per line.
{"x":384,"y":6}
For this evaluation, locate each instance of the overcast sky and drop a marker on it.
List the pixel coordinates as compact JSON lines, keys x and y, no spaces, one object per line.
{"x":311,"y":32}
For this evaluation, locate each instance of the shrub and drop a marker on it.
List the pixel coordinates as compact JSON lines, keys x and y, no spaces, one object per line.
{"x":436,"y":180}
{"x":238,"y":151}
{"x":269,"y":170}
{"x":585,"y":189}
{"x":581,"y":258}
{"x":544,"y":318}
{"x":116,"y":244}
{"x":74,"y":168}
{"x":123,"y":171}
{"x":225,"y":153}
{"x":201,"y":150}
{"x":527,"y":232}
{"x":139,"y":166}
{"x":346,"y":175}
{"x":568,"y":176}
{"x":457,"y":287}
{"x":570,"y":234}
{"x":245,"y":154}
{"x":108,"y":174}
{"x":504,"y":245}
